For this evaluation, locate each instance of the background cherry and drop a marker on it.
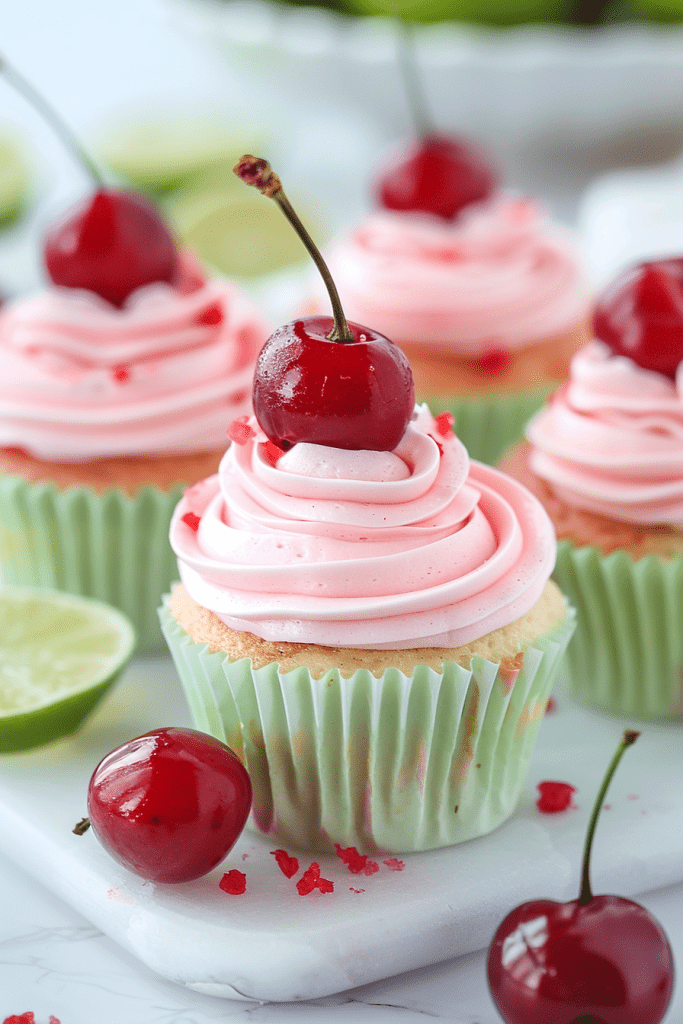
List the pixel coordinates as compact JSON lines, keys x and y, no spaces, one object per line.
{"x":112,"y":242}
{"x":169,"y":805}
{"x":641,"y":315}
{"x":321,"y":379}
{"x":593,"y":960}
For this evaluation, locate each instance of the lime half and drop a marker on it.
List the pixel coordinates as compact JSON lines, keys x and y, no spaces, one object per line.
{"x":59,"y":654}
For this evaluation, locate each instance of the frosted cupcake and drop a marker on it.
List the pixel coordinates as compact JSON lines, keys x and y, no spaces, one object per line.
{"x":106,"y":414}
{"x":606,"y":459}
{"x":365,"y":615}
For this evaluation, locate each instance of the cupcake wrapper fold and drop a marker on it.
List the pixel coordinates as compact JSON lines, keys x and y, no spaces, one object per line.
{"x":626,"y":656}
{"x":489,"y":424}
{"x":395,"y":764}
{"x":112,"y":547}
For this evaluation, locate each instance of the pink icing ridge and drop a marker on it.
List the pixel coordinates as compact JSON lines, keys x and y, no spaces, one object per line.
{"x":449,"y":554}
{"x":163,"y":375}
{"x":611,"y":440}
{"x":498,"y":275}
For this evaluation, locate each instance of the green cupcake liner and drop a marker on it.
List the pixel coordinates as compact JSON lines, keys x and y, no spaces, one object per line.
{"x":112,"y":547}
{"x":395,"y":764}
{"x":626,"y":656}
{"x":489,"y":424}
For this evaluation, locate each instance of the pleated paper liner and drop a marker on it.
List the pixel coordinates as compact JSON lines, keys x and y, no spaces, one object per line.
{"x":112,"y":547}
{"x":395,"y":764}
{"x":626,"y":656}
{"x":488,"y":424}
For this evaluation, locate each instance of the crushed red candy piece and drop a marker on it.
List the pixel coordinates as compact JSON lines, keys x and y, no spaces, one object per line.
{"x":211,"y":316}
{"x":356,"y":862}
{"x":233,"y":882}
{"x":26,"y":1018}
{"x":121,"y":374}
{"x":287,"y":865}
{"x":270,"y":453}
{"x":495,"y":361}
{"x":239,"y":430}
{"x":192,"y":520}
{"x":394,"y":864}
{"x":444,"y":423}
{"x":551,"y":706}
{"x":311,"y":880}
{"x":554,"y":796}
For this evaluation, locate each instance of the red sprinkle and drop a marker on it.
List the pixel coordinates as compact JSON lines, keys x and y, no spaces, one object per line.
{"x":394,"y":864}
{"x":357,"y":863}
{"x":233,"y":882}
{"x":444,"y":423}
{"x":287,"y":865}
{"x":211,"y":316}
{"x":554,"y":797}
{"x":351,"y":889}
{"x":270,"y":452}
{"x":192,"y":520}
{"x":239,"y":430}
{"x":311,"y":880}
{"x":121,"y":374}
{"x":551,"y":706}
{"x":495,"y":361}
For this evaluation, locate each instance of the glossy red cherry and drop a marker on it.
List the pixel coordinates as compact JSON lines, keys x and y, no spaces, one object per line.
{"x":593,"y":960}
{"x":641,"y":315}
{"x":169,"y":805}
{"x":437,"y":175}
{"x":358,"y":395}
{"x":323,"y":380}
{"x":111,"y":243}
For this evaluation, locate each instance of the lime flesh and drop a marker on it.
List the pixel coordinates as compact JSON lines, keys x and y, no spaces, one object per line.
{"x":59,"y":654}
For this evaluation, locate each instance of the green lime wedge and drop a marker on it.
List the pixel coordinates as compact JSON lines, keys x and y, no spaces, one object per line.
{"x":160,"y":154}
{"x":14,"y":180}
{"x":240,"y":234}
{"x":59,"y":654}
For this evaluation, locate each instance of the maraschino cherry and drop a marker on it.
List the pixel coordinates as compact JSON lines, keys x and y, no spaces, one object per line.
{"x":594,"y":960}
{"x":169,"y":805}
{"x":436,"y":173}
{"x":641,"y":315}
{"x":322,"y":379}
{"x":111,"y":243}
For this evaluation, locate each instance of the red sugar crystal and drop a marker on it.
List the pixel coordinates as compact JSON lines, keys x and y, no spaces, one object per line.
{"x":233,"y":882}
{"x":495,"y":361}
{"x":444,"y":423}
{"x":311,"y":880}
{"x":211,"y":316}
{"x":239,"y":430}
{"x":356,"y":862}
{"x":121,"y":374}
{"x":351,"y":889}
{"x":270,"y":453}
{"x":192,"y":520}
{"x":394,"y":864}
{"x":554,"y":797}
{"x":287,"y":865}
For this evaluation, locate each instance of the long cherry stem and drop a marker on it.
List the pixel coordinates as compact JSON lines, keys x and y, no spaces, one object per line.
{"x":71,"y":142}
{"x":257,"y":172}
{"x":414,"y":86}
{"x":627,"y":740}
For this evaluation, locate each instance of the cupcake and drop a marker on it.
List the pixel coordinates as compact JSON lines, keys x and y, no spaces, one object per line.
{"x":605,"y":457}
{"x":107,"y":413}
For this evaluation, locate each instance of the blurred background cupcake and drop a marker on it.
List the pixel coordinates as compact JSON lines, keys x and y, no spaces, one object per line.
{"x":606,"y":459}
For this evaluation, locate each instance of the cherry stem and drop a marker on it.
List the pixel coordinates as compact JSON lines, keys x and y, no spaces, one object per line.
{"x":71,"y":142}
{"x":627,"y":740}
{"x":82,"y":827}
{"x":257,"y":172}
{"x":414,"y":85}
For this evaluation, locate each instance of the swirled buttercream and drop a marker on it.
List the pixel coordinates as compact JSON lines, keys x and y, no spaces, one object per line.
{"x":165,"y":374}
{"x":611,"y":440}
{"x":415,"y":548}
{"x":497,"y":275}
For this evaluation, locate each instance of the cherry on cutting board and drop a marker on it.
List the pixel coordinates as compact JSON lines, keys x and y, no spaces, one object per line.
{"x":593,"y":960}
{"x":322,"y":379}
{"x":112,"y":242}
{"x":640,"y":315}
{"x":169,"y":805}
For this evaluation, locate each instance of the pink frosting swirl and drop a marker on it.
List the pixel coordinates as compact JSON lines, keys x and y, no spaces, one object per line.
{"x":82,"y":379}
{"x":417,"y":547}
{"x":497,"y":275}
{"x":611,"y":440}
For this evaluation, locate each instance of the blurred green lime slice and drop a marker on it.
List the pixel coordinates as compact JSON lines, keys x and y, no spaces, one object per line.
{"x":14,"y":179}
{"x":59,"y":654}
{"x":240,"y":233}
{"x":159,"y":153}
